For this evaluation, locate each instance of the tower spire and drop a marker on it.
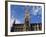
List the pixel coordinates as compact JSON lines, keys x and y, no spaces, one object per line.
{"x":26,"y":24}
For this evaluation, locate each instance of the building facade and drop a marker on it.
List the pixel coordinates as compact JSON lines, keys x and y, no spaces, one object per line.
{"x":27,"y":26}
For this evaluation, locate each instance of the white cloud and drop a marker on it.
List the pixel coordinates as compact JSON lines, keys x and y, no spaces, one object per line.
{"x":17,"y":21}
{"x":35,"y":11}
{"x":11,"y":22}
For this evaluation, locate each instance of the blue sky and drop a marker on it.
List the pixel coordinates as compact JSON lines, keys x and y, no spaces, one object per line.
{"x":18,"y":12}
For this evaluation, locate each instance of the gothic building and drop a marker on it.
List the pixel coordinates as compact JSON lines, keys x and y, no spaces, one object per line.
{"x":27,"y":26}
